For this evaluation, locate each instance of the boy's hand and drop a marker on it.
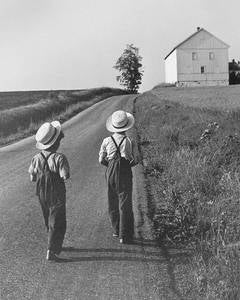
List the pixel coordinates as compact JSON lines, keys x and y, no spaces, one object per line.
{"x":132,"y":163}
{"x":104,"y":162}
{"x":65,"y":177}
{"x":33,"y":177}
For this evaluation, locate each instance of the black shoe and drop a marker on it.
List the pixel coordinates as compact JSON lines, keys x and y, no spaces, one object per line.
{"x":51,"y":256}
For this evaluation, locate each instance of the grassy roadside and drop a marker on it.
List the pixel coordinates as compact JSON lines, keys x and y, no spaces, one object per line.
{"x":21,"y":115}
{"x":191,"y":157}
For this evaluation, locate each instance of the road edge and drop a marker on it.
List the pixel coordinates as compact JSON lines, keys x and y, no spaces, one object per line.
{"x":143,"y":224}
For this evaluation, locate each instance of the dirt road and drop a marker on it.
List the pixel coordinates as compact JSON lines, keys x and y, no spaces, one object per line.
{"x":94,"y":265}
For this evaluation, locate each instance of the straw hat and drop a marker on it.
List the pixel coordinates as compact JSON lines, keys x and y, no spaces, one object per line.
{"x":120,"y":121}
{"x":47,"y":135}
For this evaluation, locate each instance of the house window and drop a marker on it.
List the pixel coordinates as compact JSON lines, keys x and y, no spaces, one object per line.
{"x":211,"y":55}
{"x":202,"y":69}
{"x":194,"y":55}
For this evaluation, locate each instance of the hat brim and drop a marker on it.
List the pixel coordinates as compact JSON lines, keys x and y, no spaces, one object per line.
{"x":128,"y":126}
{"x":58,"y":127}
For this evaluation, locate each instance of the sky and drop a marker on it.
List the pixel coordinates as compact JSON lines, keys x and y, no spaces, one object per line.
{"x":74,"y":44}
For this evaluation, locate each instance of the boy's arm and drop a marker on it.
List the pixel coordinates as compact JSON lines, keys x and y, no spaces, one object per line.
{"x":32,"y":170}
{"x":64,"y":168}
{"x":135,"y":153}
{"x":103,"y":154}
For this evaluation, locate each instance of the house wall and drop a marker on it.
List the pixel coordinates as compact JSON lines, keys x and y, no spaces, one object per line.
{"x":215,"y":71}
{"x":171,"y":68}
{"x":189,"y":70}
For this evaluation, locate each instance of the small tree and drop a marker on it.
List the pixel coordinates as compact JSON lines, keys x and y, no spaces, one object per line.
{"x":129,"y":65}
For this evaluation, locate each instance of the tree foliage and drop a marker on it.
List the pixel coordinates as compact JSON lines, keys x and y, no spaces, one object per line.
{"x":130,"y":67}
{"x":234,"y":72}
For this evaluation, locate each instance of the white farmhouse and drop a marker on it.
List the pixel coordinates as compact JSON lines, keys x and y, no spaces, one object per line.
{"x":201,"y":59}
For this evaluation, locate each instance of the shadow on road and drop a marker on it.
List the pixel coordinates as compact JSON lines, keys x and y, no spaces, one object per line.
{"x":159,"y":254}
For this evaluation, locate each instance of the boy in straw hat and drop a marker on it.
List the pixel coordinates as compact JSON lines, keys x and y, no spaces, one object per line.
{"x":118,"y":153}
{"x":49,"y":169}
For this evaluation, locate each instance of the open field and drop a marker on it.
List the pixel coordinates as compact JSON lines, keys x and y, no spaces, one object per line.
{"x":222,"y":97}
{"x":20,"y":98}
{"x":21,"y":113}
{"x":191,"y":159}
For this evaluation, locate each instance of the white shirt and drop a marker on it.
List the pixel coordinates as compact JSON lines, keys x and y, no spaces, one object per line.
{"x":57,"y":162}
{"x":128,"y":149}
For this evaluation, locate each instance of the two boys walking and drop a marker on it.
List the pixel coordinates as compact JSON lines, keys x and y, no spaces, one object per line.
{"x":49,"y":169}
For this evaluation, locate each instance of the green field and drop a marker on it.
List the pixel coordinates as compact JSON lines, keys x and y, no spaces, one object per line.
{"x":220,"y":97}
{"x":21,"y":113}
{"x":15,"y":99}
{"x":189,"y":140}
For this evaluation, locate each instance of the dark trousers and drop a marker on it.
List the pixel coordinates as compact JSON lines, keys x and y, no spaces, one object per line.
{"x":119,"y":182}
{"x":55,"y":221}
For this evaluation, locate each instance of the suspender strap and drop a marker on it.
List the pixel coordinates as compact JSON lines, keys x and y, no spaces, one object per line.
{"x":46,"y":159}
{"x":118,"y":146}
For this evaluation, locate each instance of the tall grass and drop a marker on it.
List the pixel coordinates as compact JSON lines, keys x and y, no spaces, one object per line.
{"x":191,"y":160}
{"x":20,"y":121}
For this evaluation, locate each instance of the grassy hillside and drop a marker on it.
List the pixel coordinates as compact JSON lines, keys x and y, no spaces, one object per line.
{"x":15,"y":99}
{"x":21,"y":113}
{"x":222,"y":97}
{"x":190,"y":144}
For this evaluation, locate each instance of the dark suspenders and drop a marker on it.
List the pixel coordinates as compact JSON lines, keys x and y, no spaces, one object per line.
{"x":46,"y":160}
{"x":118,"y":146}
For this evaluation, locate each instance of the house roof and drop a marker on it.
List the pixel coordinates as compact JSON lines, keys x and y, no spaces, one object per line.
{"x":192,"y":35}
